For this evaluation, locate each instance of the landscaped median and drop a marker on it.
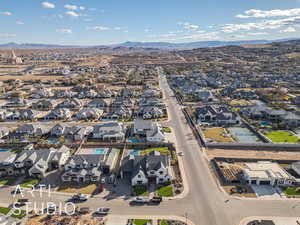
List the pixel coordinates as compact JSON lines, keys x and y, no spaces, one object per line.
{"x":292,"y":192}
{"x":165,"y":191}
{"x":29,"y":183}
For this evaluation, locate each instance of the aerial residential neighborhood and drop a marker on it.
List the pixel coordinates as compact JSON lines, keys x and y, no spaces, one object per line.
{"x":198,"y":124}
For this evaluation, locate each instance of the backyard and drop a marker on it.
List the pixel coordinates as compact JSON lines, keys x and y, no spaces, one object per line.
{"x":282,"y":137}
{"x":162,"y":150}
{"x":4,"y":210}
{"x":217,"y":134}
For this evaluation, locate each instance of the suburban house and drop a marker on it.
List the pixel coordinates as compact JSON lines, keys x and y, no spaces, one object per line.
{"x":266,"y":173}
{"x":89,"y":114}
{"x":44,"y":105}
{"x":71,"y":103}
{"x":4,"y":131}
{"x":148,"y":129}
{"x":36,"y":163}
{"x":150,"y":112}
{"x":142,"y":170}
{"x":99,"y":103}
{"x":83,"y":168}
{"x":59,"y":114}
{"x":110,"y":131}
{"x":6,"y":160}
{"x":32,"y":130}
{"x":219,"y":115}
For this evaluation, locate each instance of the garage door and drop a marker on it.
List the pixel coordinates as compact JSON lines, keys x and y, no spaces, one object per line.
{"x":265,"y":182}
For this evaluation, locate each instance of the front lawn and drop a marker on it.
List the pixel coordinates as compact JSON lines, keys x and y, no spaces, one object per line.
{"x":163,"y":222}
{"x":165,"y":191}
{"x":29,"y":183}
{"x":9,"y":181}
{"x":4,"y":210}
{"x":167,"y":129}
{"x":282,"y":137}
{"x":292,"y":191}
{"x":19,"y":214}
{"x":141,"y":222}
{"x":140,"y":190}
{"x":88,"y":189}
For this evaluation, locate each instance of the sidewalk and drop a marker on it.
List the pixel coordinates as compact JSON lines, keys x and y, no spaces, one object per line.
{"x":276,"y":220}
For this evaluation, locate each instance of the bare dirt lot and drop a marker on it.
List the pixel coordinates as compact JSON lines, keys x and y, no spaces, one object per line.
{"x":212,"y":153}
{"x":29,"y":77}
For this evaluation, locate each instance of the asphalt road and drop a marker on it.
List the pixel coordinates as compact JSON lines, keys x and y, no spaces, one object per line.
{"x":205,"y":203}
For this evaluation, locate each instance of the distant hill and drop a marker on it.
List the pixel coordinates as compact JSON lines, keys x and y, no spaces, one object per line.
{"x":144,"y":45}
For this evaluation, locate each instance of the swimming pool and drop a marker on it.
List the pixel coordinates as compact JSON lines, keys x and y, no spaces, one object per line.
{"x":135,"y":153}
{"x":100,"y":151}
{"x":134,"y":140}
{"x":243,"y":135}
{"x":3,"y":150}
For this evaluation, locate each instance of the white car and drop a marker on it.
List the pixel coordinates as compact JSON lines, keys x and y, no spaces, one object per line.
{"x":81,"y":197}
{"x":142,"y":199}
{"x":102,"y":211}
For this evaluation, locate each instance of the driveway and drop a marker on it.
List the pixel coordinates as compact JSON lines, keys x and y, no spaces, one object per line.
{"x":266,"y":191}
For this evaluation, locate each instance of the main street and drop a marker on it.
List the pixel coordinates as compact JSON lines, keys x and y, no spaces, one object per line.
{"x":205,"y":203}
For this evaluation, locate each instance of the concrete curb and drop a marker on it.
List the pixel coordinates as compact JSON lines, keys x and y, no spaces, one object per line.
{"x":155,"y":217}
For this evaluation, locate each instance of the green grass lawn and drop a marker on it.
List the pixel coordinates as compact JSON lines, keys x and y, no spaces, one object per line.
{"x":292,"y":191}
{"x":19,"y":215}
{"x":9,"y":181}
{"x":282,"y":137}
{"x":162,"y":150}
{"x":165,"y":191}
{"x":141,"y":222}
{"x":29,"y":183}
{"x":167,"y":129}
{"x":163,"y":222}
{"x":140,"y":190}
{"x":4,"y":210}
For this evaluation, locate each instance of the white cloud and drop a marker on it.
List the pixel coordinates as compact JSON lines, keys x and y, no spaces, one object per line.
{"x":19,"y":22}
{"x":6,"y":13}
{"x":189,"y":26}
{"x":117,"y":28}
{"x":98,"y":28}
{"x":72,"y":14}
{"x":48,"y":5}
{"x":288,"y":30}
{"x":7,"y":35}
{"x":257,"y":33}
{"x":81,"y":7}
{"x":71,"y":7}
{"x":64,"y":31}
{"x":256,"y":13}
{"x":261,"y":25}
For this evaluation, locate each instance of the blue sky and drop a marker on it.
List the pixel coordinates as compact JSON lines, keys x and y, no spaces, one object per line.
{"x":96,"y":22}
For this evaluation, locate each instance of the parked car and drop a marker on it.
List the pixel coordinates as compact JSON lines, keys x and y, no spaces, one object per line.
{"x":156,"y":199}
{"x":51,"y":208}
{"x":102,"y":211}
{"x":142,"y":200}
{"x":84,"y":210}
{"x":80,"y":197}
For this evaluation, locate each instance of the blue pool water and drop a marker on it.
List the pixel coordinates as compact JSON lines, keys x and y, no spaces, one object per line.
{"x":100,"y":151}
{"x":134,"y":140}
{"x":3,"y":150}
{"x":265,"y":124}
{"x":136,"y":153}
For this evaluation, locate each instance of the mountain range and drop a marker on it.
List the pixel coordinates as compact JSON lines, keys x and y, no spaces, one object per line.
{"x":146,"y":45}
